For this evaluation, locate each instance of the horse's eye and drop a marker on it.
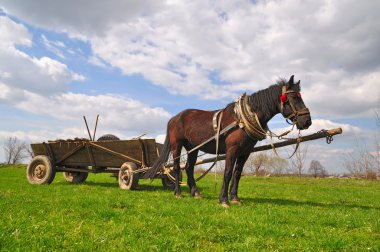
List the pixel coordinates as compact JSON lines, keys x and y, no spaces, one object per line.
{"x":299,"y":94}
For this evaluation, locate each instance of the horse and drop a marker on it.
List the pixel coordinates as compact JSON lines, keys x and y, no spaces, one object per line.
{"x":192,"y":127}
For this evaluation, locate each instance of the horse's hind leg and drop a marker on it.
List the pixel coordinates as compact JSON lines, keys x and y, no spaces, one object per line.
{"x":240,"y":161}
{"x":230,"y":162}
{"x":191,"y":159}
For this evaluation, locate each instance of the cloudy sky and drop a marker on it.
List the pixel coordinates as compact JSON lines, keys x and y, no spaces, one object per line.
{"x":137,"y":63}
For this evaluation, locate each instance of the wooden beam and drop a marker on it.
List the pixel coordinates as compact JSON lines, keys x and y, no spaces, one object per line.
{"x":114,"y":153}
{"x":70,"y":153}
{"x":314,"y":136}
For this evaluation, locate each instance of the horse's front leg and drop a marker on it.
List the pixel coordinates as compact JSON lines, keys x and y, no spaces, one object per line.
{"x":240,"y":161}
{"x":230,"y":162}
{"x":191,"y":159}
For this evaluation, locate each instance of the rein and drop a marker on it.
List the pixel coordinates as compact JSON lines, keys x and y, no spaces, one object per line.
{"x":249,"y":121}
{"x":295,"y":113}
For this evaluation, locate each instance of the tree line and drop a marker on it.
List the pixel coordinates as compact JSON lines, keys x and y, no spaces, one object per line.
{"x":263,"y":164}
{"x":16,"y":151}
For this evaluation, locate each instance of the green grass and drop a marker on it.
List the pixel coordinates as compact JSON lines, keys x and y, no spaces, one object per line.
{"x":284,"y":214}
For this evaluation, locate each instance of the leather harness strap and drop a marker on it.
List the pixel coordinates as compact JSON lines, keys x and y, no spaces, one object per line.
{"x":295,"y":113}
{"x":215,"y":120}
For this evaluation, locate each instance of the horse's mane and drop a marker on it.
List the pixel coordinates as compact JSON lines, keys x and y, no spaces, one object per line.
{"x":260,"y":100}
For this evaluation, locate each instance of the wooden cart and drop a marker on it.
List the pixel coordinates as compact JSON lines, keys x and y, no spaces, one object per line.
{"x":78,"y":157}
{"x":129,"y":158}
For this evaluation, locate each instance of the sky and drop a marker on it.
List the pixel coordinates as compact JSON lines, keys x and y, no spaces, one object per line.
{"x":138,"y":63}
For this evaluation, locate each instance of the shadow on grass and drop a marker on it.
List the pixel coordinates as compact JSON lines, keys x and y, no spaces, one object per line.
{"x":143,"y":187}
{"x":102,"y":184}
{"x":288,"y":202}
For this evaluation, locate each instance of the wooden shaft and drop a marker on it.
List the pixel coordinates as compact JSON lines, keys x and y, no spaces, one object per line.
{"x":88,"y":130}
{"x":314,"y":136}
{"x":96,"y":125}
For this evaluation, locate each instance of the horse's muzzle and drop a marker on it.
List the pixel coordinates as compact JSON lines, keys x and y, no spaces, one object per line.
{"x":303,"y":122}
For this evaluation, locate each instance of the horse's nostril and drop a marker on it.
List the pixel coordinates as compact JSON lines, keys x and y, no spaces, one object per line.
{"x":308,"y":122}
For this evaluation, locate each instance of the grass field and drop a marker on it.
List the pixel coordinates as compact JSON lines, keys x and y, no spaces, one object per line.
{"x":284,"y":214}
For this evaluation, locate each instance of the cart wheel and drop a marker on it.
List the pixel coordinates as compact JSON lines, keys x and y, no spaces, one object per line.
{"x":127,"y":179}
{"x":75,"y":177}
{"x":168,"y":182}
{"x":40,"y":170}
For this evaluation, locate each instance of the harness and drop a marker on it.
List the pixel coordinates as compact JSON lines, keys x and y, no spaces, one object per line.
{"x":249,"y":122}
{"x":295,"y":113}
{"x":248,"y":119}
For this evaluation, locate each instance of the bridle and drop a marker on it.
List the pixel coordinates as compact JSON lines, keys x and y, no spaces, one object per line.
{"x":293,"y":117}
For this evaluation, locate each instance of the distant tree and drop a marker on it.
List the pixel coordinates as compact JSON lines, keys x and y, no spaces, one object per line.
{"x":361,"y":163}
{"x":257,"y":163}
{"x":299,"y":158}
{"x":317,"y":170}
{"x":277,"y":165}
{"x":15,"y":150}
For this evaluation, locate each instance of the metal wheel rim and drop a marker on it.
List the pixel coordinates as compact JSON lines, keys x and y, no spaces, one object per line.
{"x":39,"y":172}
{"x":126,"y":177}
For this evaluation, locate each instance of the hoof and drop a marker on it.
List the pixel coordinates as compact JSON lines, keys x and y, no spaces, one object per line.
{"x":197,"y":195}
{"x":236,"y":202}
{"x":225,"y":205}
{"x":178,"y":196}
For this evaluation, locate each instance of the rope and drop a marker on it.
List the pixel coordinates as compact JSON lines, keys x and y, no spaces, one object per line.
{"x":251,"y":123}
{"x":329,"y":138}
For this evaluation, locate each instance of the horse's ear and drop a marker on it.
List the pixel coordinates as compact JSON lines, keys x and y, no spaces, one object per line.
{"x":298,"y":82}
{"x":291,"y":80}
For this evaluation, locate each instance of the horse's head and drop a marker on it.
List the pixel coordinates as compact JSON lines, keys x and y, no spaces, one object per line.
{"x":292,"y":106}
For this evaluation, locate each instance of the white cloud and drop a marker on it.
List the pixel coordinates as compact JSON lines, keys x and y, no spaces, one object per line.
{"x":53,"y":46}
{"x":117,"y":113}
{"x":19,"y":72}
{"x":349,"y":132}
{"x":79,"y":18}
{"x":183,"y":46}
{"x":160,"y":138}
{"x":39,"y":86}
{"x":320,"y":124}
{"x":13,"y":33}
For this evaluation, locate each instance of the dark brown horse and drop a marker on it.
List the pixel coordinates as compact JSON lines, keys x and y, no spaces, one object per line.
{"x":192,"y":127}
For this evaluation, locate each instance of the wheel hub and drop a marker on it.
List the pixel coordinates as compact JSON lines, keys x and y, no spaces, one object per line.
{"x":40,"y":171}
{"x":126,"y":177}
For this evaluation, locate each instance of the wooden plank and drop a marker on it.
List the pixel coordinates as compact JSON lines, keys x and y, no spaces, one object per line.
{"x":115,"y":153}
{"x":70,"y":153}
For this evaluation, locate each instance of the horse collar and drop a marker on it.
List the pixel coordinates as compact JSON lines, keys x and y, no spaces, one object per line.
{"x":248,"y":119}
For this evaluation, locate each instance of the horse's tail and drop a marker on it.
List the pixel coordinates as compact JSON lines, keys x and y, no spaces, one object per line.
{"x":164,"y":156}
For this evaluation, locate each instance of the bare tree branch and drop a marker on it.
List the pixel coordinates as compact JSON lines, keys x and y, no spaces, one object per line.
{"x":277,"y":165}
{"x":361,"y":163}
{"x":317,"y":169}
{"x":299,"y":158}
{"x":257,"y":163}
{"x":15,"y":151}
